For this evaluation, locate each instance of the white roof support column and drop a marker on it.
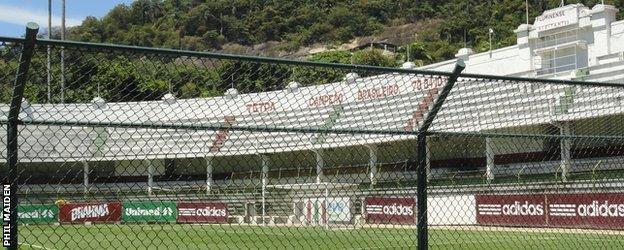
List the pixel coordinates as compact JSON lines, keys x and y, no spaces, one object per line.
{"x":209,"y":169}
{"x":566,"y":146}
{"x":489,"y":159}
{"x":320,"y":164}
{"x":372,"y":163}
{"x":150,"y":177}
{"x":265,"y":179}
{"x":85,"y":177}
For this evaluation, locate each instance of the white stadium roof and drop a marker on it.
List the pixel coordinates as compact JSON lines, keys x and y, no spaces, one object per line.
{"x":379,"y":103}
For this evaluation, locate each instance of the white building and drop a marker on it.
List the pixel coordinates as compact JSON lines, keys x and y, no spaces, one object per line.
{"x":570,"y":42}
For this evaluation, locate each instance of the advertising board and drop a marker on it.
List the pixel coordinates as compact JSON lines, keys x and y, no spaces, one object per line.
{"x":597,"y":211}
{"x":315,"y":211}
{"x":384,"y":210}
{"x":511,"y":210}
{"x":600,"y":211}
{"x":37,"y":213}
{"x":149,"y":211}
{"x":202,"y":212}
{"x":92,"y":211}
{"x":339,"y":209}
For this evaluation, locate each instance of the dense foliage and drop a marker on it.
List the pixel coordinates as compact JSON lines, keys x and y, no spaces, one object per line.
{"x":210,"y":24}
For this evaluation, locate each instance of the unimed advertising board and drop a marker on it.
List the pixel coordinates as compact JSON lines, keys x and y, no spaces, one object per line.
{"x":600,"y":211}
{"x":83,"y":212}
{"x":164,"y":211}
{"x":382,"y":210}
{"x":37,"y":213}
{"x":202,"y":212}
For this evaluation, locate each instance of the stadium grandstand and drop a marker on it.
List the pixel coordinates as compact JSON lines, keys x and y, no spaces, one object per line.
{"x":353,"y":104}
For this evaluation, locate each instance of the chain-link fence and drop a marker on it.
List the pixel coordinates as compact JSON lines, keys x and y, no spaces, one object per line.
{"x":125,"y":147}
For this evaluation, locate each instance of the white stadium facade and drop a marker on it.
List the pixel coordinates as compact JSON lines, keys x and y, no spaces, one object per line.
{"x":573,"y":42}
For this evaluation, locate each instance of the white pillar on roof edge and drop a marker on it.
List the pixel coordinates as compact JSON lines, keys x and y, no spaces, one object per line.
{"x":319,"y":165}
{"x":85,"y":177}
{"x":150,"y":177}
{"x":372,"y":163}
{"x":489,"y":159}
{"x":265,"y":176}
{"x":209,"y":169}
{"x":566,"y":146}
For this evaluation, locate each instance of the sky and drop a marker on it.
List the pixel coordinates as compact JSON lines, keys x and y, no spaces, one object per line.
{"x":14,"y":14}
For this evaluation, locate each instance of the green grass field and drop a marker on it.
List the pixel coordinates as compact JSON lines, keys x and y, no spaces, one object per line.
{"x":173,"y":236}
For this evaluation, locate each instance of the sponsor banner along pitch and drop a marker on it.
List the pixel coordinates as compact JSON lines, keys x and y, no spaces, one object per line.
{"x":315,"y":211}
{"x":339,"y":209}
{"x":602,"y":211}
{"x":37,"y":213}
{"x":383,"y":210}
{"x":202,"y":212}
{"x":511,"y":210}
{"x":164,"y":211}
{"x":82,"y":212}
{"x":598,"y":211}
{"x":319,"y":211}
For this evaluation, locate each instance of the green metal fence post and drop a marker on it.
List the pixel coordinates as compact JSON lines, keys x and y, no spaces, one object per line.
{"x":12,"y":130}
{"x":421,"y":196}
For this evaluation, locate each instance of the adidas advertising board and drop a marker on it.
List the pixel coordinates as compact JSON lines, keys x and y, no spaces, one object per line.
{"x":511,"y":210}
{"x":602,"y":210}
{"x":385,"y":210}
{"x":202,"y":212}
{"x":83,"y":212}
{"x":599,"y":211}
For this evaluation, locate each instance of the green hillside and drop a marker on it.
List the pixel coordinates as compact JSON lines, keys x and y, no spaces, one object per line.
{"x":209,"y":25}
{"x":441,"y":28}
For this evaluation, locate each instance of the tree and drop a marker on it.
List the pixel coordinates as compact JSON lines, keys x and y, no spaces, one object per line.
{"x":373,"y":57}
{"x":249,"y":77}
{"x":322,"y":75}
{"x":415,"y":52}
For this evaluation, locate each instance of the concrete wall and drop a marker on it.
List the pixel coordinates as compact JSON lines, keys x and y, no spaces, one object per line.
{"x":617,"y":36}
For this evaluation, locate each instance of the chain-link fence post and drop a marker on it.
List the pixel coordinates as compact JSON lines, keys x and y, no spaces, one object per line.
{"x":421,"y":196}
{"x":12,"y":131}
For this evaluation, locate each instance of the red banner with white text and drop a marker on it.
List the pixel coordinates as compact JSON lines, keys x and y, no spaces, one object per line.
{"x":511,"y":210}
{"x":92,"y":211}
{"x":597,"y":211}
{"x":202,"y":212}
{"x":382,"y":210}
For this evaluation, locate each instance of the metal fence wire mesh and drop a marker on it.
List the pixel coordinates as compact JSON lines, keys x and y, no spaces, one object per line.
{"x":129,"y":147}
